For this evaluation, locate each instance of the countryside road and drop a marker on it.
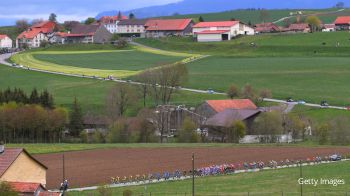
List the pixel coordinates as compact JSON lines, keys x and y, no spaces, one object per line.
{"x":290,"y":105}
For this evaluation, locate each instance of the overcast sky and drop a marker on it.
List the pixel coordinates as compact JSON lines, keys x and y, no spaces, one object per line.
{"x":11,"y":10}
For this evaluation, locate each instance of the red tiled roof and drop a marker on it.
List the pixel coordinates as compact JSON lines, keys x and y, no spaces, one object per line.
{"x":3,"y":36}
{"x":342,"y":20}
{"x":216,"y":24}
{"x":10,"y":155}
{"x":213,"y":32}
{"x":29,"y":34}
{"x":47,"y":193}
{"x":167,"y":25}
{"x":25,"y":187}
{"x":266,"y":27}
{"x":111,"y":19}
{"x":46,"y":24}
{"x":221,"y":105}
{"x":301,"y":26}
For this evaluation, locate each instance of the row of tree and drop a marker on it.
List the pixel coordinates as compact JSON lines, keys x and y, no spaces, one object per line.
{"x":31,"y":123}
{"x":17,"y":95}
{"x":247,"y":92}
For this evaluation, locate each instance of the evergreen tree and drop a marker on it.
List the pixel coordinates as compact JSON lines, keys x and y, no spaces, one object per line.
{"x":120,"y":16}
{"x":201,"y":19}
{"x":131,"y":16}
{"x":34,"y":97}
{"x":46,"y":99}
{"x":76,"y":119}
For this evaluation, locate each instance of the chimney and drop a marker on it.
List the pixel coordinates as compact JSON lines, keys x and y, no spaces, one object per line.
{"x":2,"y":147}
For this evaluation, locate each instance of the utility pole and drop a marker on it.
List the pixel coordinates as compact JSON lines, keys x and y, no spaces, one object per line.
{"x":192,"y":174}
{"x":301,"y":176}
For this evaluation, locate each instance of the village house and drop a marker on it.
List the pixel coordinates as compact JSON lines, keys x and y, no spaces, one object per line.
{"x":220,"y":114}
{"x":220,"y":30}
{"x":170,"y":27}
{"x":31,"y":189}
{"x":17,"y":165}
{"x":266,"y":28}
{"x":94,"y":33}
{"x":298,"y":28}
{"x":132,"y":28}
{"x":111,"y":22}
{"x":342,"y":23}
{"x":328,"y":28}
{"x":35,"y":35}
{"x":5,"y":41}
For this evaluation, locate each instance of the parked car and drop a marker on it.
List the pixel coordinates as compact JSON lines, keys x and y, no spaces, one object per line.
{"x":324,"y":104}
{"x":210,"y":91}
{"x":335,"y":157}
{"x":301,"y":102}
{"x":289,"y":100}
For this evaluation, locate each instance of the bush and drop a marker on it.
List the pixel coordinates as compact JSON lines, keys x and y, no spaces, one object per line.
{"x":188,"y":133}
{"x":6,"y":189}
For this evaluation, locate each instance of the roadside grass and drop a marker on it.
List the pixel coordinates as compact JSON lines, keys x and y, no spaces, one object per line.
{"x":81,"y":47}
{"x":40,"y":148}
{"x":268,"y":182}
{"x":319,"y":115}
{"x":308,"y":78}
{"x":285,"y":45}
{"x":120,"y":60}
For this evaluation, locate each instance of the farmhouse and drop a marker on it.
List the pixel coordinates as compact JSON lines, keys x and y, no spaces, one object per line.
{"x":17,"y":165}
{"x":220,"y":30}
{"x":171,"y":27}
{"x":266,"y":28}
{"x":299,"y":28}
{"x":5,"y":41}
{"x":35,"y":35}
{"x":342,"y":23}
{"x":111,"y":22}
{"x":328,"y":28}
{"x":132,"y":28}
{"x":31,"y":189}
{"x":86,"y":34}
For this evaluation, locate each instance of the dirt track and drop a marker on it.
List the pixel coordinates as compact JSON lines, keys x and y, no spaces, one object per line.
{"x":94,"y":167}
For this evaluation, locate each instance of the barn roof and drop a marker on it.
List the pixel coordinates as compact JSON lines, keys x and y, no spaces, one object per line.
{"x":167,"y":25}
{"x":226,"y":117}
{"x":85,"y":29}
{"x":10,"y":155}
{"x":25,"y":187}
{"x":342,"y":20}
{"x":301,"y":26}
{"x":3,"y":36}
{"x":216,"y":24}
{"x":133,"y":22}
{"x":266,"y":27}
{"x":221,"y":105}
{"x":213,"y":32}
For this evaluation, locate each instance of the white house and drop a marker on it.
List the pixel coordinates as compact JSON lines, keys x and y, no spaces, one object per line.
{"x":220,"y":30}
{"x":328,"y":28}
{"x":111,"y":22}
{"x":31,"y":39}
{"x":132,"y":27}
{"x":5,"y":41}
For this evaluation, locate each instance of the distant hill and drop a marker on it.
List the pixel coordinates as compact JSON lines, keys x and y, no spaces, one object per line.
{"x":211,"y":6}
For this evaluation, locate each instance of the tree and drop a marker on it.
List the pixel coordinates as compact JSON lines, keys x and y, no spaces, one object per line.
{"x":53,"y":17}
{"x":164,"y":81}
{"x":76,"y":124}
{"x":235,"y":132}
{"x":34,"y":97}
{"x":90,"y":20}
{"x":322,"y":133}
{"x":340,"y":5}
{"x":314,"y":22}
{"x":115,"y":37}
{"x":340,"y":134}
{"x":264,"y":16}
{"x":6,"y":189}
{"x":293,"y":125}
{"x":201,"y":19}
{"x":118,"y":132}
{"x":132,"y":16}
{"x":22,"y":25}
{"x":119,"y":99}
{"x":248,"y":92}
{"x":188,"y":133}
{"x":145,"y":128}
{"x":268,"y":125}
{"x":265,"y":93}
{"x":46,"y":99}
{"x":120,"y":15}
{"x":232,"y":91}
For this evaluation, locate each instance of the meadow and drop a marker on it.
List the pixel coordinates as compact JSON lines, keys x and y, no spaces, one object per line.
{"x":270,"y":45}
{"x":269,"y":182}
{"x":309,"y":78}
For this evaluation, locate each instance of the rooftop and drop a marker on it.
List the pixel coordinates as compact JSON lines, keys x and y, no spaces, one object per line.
{"x":221,"y":105}
{"x":216,"y":24}
{"x":167,"y":25}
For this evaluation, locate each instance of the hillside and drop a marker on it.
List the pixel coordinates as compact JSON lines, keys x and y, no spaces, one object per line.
{"x":10,"y":31}
{"x":210,"y":6}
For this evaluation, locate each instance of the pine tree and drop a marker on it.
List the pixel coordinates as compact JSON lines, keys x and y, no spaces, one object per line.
{"x":120,"y":16}
{"x":131,"y":16}
{"x":34,"y":97}
{"x":76,"y":119}
{"x":201,"y":19}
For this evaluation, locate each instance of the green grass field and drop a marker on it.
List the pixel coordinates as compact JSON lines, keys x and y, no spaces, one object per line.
{"x":90,"y":93}
{"x":309,"y":78}
{"x":314,"y":44}
{"x":265,"y":183}
{"x":128,"y":60}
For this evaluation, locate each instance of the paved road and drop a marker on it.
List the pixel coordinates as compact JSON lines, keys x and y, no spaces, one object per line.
{"x":289,"y":17}
{"x":3,"y":58}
